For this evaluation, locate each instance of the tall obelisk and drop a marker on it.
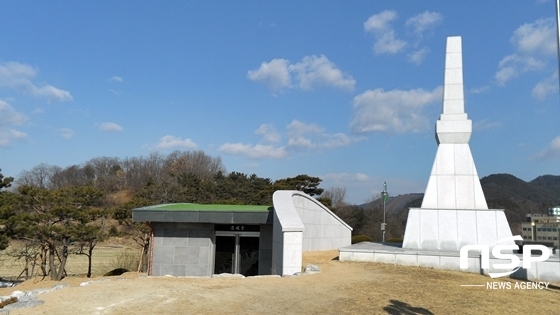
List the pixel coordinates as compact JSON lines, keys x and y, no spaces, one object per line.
{"x":454,"y":212}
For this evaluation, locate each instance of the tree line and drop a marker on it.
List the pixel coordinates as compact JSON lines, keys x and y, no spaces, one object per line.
{"x":188,"y":176}
{"x":55,"y":212}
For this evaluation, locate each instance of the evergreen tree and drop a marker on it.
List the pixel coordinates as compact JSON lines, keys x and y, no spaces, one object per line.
{"x":307,"y":184}
{"x":51,"y":219}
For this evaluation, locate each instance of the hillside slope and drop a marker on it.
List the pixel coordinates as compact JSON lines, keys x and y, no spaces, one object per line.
{"x":502,"y":191}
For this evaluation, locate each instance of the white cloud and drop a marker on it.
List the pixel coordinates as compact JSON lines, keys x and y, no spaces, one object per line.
{"x":386,"y":41}
{"x":339,"y":178}
{"x":298,"y":133}
{"x":8,"y":135}
{"x":309,"y":137}
{"x":50,"y":92}
{"x":424,"y":21}
{"x":117,"y":93}
{"x":311,"y":72}
{"x":300,"y":142}
{"x":546,"y":87}
{"x":302,"y":137}
{"x":110,"y":126}
{"x":534,"y":43}
{"x":552,"y":151}
{"x":485,"y":124}
{"x":66,"y":133}
{"x":388,"y":44}
{"x":274,"y":74}
{"x":479,"y":90}
{"x":168,"y":142}
{"x":505,"y":73}
{"x":258,"y":151}
{"x":380,"y":22}
{"x":298,"y":128}
{"x":418,"y":56}
{"x":10,"y":118}
{"x":512,"y":66}
{"x":393,"y":111}
{"x":361,"y":177}
{"x":315,"y":71}
{"x":538,"y":37}
{"x":269,"y":133}
{"x":115,"y":79}
{"x":19,"y":76}
{"x":336,"y":140}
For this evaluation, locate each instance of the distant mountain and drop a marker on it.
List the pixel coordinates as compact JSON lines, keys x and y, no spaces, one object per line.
{"x":394,"y":203}
{"x":549,"y":183}
{"x":518,"y":198}
{"x":542,"y":190}
{"x":502,"y":191}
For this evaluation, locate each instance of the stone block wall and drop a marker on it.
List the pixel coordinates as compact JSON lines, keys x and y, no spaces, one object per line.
{"x":451,"y":229}
{"x":265,"y":250}
{"x":182,"y":249}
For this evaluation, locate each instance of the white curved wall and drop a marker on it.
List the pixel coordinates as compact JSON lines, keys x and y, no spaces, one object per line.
{"x":323,"y":229}
{"x":301,"y":223}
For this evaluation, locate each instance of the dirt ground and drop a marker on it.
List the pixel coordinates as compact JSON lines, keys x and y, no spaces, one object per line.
{"x":340,"y":288}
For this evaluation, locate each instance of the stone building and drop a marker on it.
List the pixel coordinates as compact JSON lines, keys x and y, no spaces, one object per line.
{"x":202,"y":240}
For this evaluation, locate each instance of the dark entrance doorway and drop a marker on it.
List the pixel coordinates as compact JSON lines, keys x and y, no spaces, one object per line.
{"x":237,"y":251}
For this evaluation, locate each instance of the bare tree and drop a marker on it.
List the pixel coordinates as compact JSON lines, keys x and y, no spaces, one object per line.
{"x":138,"y":171}
{"x":39,"y":176}
{"x":29,"y":251}
{"x":106,"y":172}
{"x":337,"y":195}
{"x":195,"y":162}
{"x":74,"y":175}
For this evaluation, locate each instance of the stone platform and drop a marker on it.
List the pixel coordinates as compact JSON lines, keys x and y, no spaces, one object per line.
{"x":451,"y":229}
{"x":393,"y":253}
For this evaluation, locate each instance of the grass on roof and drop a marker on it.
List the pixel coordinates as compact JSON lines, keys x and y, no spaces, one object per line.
{"x":206,"y":207}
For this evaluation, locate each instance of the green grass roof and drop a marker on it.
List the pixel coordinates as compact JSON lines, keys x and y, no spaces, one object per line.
{"x":207,"y":207}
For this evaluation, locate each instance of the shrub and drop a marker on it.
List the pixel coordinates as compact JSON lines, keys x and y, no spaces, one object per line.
{"x":361,"y":238}
{"x":113,"y":232}
{"x":128,"y":259}
{"x":115,"y":272}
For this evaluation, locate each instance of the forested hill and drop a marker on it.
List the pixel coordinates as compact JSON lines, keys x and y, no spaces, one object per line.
{"x":542,"y":190}
{"x":518,"y":197}
{"x":200,"y":178}
{"x":502,"y":191}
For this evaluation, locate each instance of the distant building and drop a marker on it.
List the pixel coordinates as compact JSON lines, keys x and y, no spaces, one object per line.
{"x":554,"y":211}
{"x":542,"y":227}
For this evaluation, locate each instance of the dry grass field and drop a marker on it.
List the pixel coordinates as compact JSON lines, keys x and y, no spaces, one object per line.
{"x":106,"y":256}
{"x":340,"y":288}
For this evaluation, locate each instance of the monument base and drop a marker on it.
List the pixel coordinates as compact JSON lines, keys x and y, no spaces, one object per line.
{"x":548,"y":270}
{"x":451,"y":229}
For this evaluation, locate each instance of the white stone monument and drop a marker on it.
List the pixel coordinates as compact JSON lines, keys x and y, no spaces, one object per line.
{"x":454,"y":212}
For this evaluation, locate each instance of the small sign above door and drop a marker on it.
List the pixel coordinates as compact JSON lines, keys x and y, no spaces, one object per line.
{"x":237,"y":227}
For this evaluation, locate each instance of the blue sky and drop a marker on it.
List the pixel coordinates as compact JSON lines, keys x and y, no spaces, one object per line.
{"x":347,"y":91}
